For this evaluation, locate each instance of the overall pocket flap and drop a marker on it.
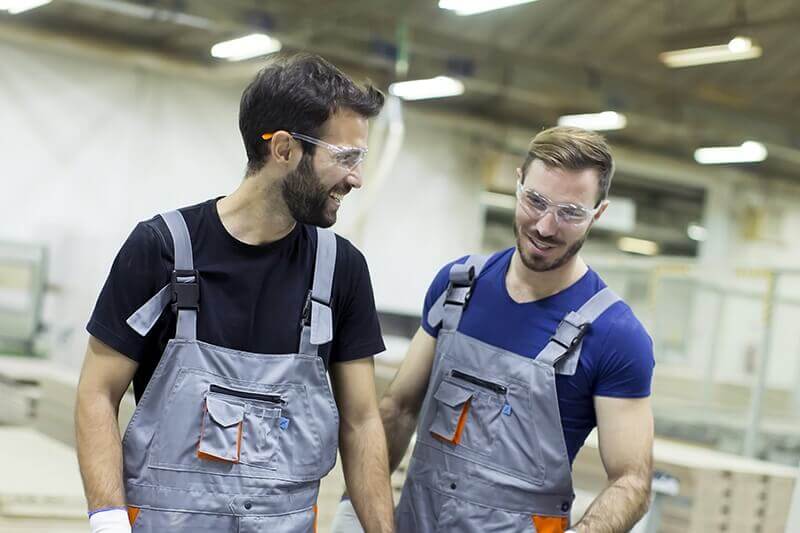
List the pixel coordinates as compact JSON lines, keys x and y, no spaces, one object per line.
{"x":223,"y":412}
{"x":451,"y":394}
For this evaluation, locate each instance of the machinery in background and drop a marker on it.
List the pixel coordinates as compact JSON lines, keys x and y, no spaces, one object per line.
{"x":23,"y":268}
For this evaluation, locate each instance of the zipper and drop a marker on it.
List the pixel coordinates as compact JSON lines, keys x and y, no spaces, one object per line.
{"x":496,"y":387}
{"x":272,"y":398}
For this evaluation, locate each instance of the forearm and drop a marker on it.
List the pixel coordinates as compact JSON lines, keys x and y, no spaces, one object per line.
{"x":366,"y":473}
{"x":618,"y":507}
{"x":99,"y":451}
{"x":399,"y":425}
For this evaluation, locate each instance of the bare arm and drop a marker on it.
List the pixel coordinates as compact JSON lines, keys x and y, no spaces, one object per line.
{"x":625,"y":433}
{"x":362,"y":444}
{"x":105,"y":377}
{"x":402,"y":400}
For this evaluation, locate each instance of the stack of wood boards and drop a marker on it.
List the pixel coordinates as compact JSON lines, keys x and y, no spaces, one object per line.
{"x":41,"y":393}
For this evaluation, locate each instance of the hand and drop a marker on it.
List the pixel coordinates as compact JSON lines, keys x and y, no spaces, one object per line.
{"x":110,"y":521}
{"x":345,"y":519}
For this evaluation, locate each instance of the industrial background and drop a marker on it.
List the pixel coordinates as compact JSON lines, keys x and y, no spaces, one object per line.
{"x":112,"y":111}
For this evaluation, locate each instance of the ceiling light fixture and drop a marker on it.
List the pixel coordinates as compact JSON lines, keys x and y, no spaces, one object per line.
{"x":20,"y":6}
{"x":637,"y":246}
{"x":473,"y":7}
{"x":696,"y":232}
{"x":438,"y":87}
{"x":253,"y":45}
{"x":738,"y":49}
{"x":607,"y":120}
{"x":747,"y":152}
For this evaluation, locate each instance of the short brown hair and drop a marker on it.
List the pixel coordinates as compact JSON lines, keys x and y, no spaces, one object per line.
{"x":573,"y":149}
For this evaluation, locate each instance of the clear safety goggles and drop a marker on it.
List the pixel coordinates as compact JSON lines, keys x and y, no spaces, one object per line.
{"x":537,"y":205}
{"x":345,"y":157}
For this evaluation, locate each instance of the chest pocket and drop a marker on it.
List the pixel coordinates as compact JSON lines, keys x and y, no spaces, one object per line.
{"x":240,"y":432}
{"x":487,"y":421}
{"x":467,"y":412}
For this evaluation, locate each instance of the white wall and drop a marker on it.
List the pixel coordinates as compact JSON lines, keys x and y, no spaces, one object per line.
{"x":91,"y":145}
{"x":93,"y":141}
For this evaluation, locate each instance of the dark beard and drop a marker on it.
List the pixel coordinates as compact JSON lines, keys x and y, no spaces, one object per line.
{"x":542,"y":266}
{"x":305,"y":196}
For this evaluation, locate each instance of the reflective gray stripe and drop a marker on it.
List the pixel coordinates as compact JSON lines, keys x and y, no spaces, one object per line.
{"x":187,"y":318}
{"x":320,"y":331}
{"x":437,"y":312}
{"x":143,"y":319}
{"x":567,"y":331}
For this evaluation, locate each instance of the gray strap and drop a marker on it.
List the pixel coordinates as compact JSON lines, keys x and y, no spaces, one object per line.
{"x":144,"y":318}
{"x":182,"y":243}
{"x":187,"y":318}
{"x":568,"y":336}
{"x":449,"y":306}
{"x":318,"y":324}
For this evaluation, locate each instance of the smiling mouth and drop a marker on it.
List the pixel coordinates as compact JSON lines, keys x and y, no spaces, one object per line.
{"x":541,"y":245}
{"x":337,"y":197}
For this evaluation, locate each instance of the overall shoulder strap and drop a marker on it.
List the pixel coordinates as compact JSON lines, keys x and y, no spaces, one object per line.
{"x":573,"y":327}
{"x":182,"y":291}
{"x":450,"y":305}
{"x":317,"y":319}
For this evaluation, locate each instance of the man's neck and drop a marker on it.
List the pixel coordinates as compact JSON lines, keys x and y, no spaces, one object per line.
{"x":526,"y":285}
{"x":255,"y":212}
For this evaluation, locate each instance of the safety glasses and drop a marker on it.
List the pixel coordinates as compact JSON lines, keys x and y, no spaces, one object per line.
{"x":346,"y":157}
{"x":537,"y":205}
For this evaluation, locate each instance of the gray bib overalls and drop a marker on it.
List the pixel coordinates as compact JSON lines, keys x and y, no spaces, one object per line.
{"x":230,"y":441}
{"x":490,"y":453}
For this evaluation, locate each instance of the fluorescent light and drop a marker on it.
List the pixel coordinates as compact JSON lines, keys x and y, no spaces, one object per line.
{"x":473,"y":7}
{"x":739,"y":48}
{"x":20,"y":6}
{"x":696,"y":232}
{"x":637,"y":246}
{"x":607,"y":120}
{"x":748,"y":152}
{"x":253,"y":45}
{"x":437,"y":87}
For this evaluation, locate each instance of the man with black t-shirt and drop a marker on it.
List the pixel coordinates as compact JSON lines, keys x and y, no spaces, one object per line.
{"x":226,"y":316}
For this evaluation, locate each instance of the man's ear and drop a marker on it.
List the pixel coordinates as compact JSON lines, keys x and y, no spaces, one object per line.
{"x":281,"y":145}
{"x":601,"y":209}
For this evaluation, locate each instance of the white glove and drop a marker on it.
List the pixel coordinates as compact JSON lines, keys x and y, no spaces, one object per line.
{"x":345,"y":519}
{"x":110,"y":521}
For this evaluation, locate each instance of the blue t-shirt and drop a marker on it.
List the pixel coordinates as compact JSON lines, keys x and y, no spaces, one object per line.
{"x":617,"y":355}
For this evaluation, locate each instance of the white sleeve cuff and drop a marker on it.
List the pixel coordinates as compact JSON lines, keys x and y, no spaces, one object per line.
{"x":110,"y":521}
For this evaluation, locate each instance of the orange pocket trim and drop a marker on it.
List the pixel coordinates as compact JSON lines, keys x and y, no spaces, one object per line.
{"x":462,"y":421}
{"x":316,"y":517}
{"x":133,"y":512}
{"x":211,"y":457}
{"x":550,"y":524}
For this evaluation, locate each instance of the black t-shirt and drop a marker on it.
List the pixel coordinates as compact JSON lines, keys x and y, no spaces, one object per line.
{"x":251,"y":297}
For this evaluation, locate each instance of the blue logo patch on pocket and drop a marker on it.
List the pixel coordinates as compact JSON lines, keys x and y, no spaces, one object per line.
{"x":507,"y":409}
{"x":283,"y":423}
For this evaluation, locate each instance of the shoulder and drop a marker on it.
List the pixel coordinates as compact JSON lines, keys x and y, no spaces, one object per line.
{"x":623,"y":327}
{"x":154,"y":230}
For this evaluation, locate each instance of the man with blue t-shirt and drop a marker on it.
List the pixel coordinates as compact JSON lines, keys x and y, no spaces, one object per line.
{"x":520,"y":355}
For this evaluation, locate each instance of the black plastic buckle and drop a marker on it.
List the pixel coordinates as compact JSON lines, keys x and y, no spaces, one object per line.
{"x":454,"y":291}
{"x":185,"y":294}
{"x":582,"y":329}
